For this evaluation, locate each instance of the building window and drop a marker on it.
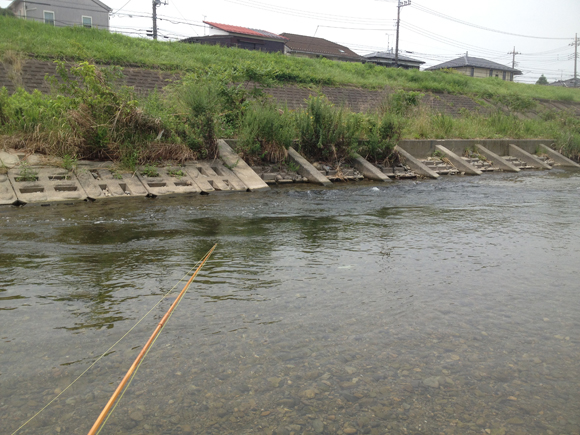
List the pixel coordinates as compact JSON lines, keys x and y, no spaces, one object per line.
{"x":87,"y":21}
{"x":49,"y":17}
{"x":472,"y":71}
{"x":491,"y":73}
{"x":504,"y":75}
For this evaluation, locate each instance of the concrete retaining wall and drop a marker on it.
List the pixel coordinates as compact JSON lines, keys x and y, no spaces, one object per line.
{"x":426,"y":147}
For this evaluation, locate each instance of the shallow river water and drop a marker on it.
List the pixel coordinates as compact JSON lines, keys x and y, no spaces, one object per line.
{"x":432,"y":307}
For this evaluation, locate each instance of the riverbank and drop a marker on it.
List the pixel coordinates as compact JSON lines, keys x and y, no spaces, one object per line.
{"x":89,"y":116}
{"x":36,"y":179}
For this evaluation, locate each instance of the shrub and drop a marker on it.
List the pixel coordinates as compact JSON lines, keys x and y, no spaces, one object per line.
{"x":327,"y":132}
{"x":266,"y":132}
{"x":442,"y":125}
{"x":383,"y":133}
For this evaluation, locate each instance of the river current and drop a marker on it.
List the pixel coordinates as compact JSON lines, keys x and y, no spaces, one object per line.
{"x":414,"y":307}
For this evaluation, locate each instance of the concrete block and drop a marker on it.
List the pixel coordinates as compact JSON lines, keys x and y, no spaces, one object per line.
{"x":213,"y":175}
{"x":306,"y":169}
{"x":241,"y":168}
{"x":51,"y":185}
{"x":458,"y":162}
{"x":418,"y":167}
{"x":497,"y":160}
{"x":9,"y":160}
{"x":558,"y":158}
{"x":527,"y":158}
{"x":101,"y":183}
{"x":166,"y":183}
{"x":7,"y":194}
{"x":368,"y":170}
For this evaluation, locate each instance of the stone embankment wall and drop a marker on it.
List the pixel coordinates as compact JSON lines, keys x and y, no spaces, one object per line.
{"x":30,"y":74}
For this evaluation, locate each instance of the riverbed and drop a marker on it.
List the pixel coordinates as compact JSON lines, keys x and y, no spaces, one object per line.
{"x":413,"y":307}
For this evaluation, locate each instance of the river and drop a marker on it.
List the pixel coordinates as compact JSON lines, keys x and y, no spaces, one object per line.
{"x":414,"y":307}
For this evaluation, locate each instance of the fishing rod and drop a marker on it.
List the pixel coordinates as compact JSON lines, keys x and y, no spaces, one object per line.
{"x":145,"y":349}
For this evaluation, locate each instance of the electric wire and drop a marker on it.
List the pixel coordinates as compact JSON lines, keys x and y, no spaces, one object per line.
{"x":309,"y":15}
{"x":457,"y":20}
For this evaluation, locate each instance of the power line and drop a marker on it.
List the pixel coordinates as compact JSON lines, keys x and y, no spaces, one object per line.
{"x":447,"y":17}
{"x":309,"y":15}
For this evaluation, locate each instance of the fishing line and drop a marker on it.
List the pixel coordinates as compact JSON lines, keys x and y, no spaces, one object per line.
{"x":131,"y":372}
{"x":137,"y":369}
{"x":109,"y":349}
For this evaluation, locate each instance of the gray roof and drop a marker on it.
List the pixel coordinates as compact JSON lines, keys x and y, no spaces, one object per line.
{"x":476,"y":62}
{"x":391,"y":56}
{"x":570,"y":83}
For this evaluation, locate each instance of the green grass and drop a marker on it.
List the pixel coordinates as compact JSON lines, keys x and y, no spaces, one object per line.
{"x":77,"y":43}
{"x":90,"y":118}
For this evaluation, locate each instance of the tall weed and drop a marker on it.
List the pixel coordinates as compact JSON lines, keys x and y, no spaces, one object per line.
{"x":266,"y":132}
{"x":327,"y":132}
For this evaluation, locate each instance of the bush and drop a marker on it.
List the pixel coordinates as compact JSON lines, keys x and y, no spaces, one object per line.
{"x":383,"y":133}
{"x":266,"y":132}
{"x":326,"y":132}
{"x":442,"y":125}
{"x":402,"y":101}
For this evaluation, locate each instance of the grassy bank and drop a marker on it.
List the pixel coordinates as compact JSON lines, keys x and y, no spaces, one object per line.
{"x":89,"y":117}
{"x":78,"y":43}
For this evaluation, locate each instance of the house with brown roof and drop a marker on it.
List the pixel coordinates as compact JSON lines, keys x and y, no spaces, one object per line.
{"x":387,"y":58}
{"x":240,"y":37}
{"x":310,"y":46}
{"x":478,"y":67}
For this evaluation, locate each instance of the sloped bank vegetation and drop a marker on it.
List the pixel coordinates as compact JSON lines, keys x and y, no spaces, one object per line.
{"x":87,"y":116}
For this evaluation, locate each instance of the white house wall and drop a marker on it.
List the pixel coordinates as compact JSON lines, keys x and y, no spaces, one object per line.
{"x":65,"y":12}
{"x":484,"y":72}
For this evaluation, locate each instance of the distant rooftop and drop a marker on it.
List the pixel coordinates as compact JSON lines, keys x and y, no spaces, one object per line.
{"x":476,"y":62}
{"x":245,"y":31}
{"x":391,"y":56}
{"x":318,"y":46}
{"x":570,"y":83}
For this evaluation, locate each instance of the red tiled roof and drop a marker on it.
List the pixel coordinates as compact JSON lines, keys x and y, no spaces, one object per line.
{"x":245,"y":30}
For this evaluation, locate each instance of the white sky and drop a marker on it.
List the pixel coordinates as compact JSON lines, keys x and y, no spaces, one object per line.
{"x":369,"y":25}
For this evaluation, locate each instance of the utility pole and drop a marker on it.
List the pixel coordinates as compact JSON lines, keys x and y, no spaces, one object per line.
{"x":575,"y":44}
{"x":399,"y":6}
{"x":514,"y":57}
{"x":156,"y":4}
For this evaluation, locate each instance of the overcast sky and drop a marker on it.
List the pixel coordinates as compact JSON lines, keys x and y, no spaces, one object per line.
{"x":431,"y":30}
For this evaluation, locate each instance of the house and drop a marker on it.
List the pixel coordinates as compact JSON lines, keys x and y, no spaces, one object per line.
{"x":309,"y":46}
{"x":387,"y":58}
{"x":478,"y":67}
{"x":62,"y":13}
{"x":570,"y":83}
{"x":240,"y":37}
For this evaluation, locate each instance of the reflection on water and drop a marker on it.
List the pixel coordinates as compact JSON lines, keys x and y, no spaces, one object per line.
{"x":421,"y":308}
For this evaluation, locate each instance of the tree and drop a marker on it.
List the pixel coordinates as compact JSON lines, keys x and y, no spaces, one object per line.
{"x":542,"y":80}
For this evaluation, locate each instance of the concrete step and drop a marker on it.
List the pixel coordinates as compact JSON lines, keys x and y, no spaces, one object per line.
{"x":276,"y":174}
{"x":102,"y":183}
{"x":212,"y":176}
{"x":48,"y":185}
{"x":168,"y":181}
